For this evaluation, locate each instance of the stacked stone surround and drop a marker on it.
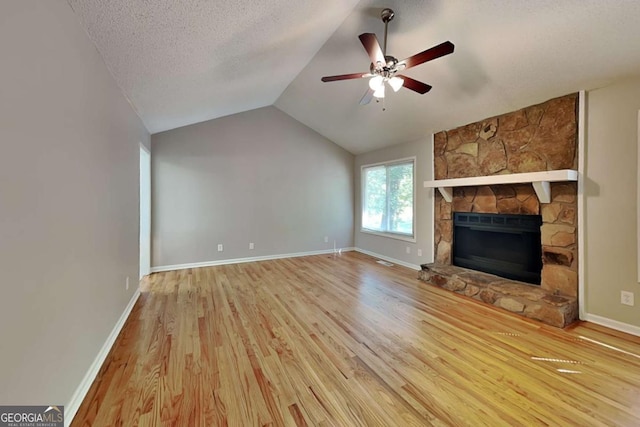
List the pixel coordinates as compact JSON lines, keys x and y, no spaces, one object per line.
{"x":537,"y":138}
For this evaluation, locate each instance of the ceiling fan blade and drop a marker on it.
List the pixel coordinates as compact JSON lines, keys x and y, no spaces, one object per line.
{"x":415,"y":85}
{"x":367,"y":97}
{"x":371,"y":45}
{"x":435,"y":52}
{"x":345,"y":77}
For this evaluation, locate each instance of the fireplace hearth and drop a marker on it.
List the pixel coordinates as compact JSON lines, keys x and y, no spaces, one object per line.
{"x":501,"y":244}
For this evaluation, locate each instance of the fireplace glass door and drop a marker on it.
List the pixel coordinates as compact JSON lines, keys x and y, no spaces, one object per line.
{"x":505,"y":245}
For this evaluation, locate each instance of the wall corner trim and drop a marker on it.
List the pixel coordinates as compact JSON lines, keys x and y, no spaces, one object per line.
{"x":71,"y":408}
{"x":582,"y":268}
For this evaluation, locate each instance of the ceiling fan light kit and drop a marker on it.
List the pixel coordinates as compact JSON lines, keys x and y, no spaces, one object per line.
{"x":377,"y":84}
{"x":385,"y":68}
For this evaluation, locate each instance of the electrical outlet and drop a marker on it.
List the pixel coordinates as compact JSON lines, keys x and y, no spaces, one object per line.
{"x":408,"y":249}
{"x":626,"y":297}
{"x":251,"y":246}
{"x":326,"y":239}
{"x":419,"y":252}
{"x":220,"y":248}
{"x":126,"y":284}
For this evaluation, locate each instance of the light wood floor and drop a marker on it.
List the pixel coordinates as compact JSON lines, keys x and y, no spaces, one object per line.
{"x":341,"y":340}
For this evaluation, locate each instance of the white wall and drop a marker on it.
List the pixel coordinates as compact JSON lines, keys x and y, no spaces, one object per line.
{"x":610,"y":201}
{"x":394,"y":248}
{"x":68,"y":202}
{"x":258,"y":176}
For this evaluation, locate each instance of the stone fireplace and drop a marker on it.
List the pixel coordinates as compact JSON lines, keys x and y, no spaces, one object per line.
{"x":534,"y":139}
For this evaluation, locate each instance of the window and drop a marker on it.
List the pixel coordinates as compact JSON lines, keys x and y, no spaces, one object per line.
{"x":388,"y":198}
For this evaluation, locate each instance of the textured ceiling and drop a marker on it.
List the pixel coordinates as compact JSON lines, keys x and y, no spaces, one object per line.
{"x":189,"y":61}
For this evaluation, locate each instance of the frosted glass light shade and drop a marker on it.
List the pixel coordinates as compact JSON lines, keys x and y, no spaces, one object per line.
{"x":376,"y":82}
{"x":379,"y":92}
{"x":396,"y":83}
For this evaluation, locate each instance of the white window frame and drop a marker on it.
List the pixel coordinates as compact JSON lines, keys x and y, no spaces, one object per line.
{"x":389,"y":234}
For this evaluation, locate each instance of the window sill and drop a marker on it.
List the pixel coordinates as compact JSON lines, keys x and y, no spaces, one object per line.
{"x":389,"y":235}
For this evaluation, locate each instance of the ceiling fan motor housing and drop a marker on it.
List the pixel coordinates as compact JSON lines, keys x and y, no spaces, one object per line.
{"x":385,"y":70}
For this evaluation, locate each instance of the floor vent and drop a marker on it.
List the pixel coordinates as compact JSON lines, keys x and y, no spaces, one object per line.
{"x":388,"y":264}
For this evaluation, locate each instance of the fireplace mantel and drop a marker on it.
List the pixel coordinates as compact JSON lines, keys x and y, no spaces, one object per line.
{"x":540,"y":181}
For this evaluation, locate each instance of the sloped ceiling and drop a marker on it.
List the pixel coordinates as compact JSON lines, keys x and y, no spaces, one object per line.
{"x":185,"y":62}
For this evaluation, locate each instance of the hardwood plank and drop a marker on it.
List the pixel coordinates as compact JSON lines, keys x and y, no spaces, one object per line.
{"x":343,"y":341}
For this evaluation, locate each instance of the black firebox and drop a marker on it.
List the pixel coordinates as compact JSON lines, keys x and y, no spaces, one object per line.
{"x":504,"y":245}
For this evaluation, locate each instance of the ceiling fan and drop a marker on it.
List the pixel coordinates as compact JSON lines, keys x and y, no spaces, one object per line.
{"x":385,"y":68}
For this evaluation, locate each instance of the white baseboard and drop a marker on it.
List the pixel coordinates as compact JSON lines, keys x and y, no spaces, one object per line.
{"x":613,"y":324}
{"x":72,"y":407}
{"x":241,"y":260}
{"x":386,"y":258}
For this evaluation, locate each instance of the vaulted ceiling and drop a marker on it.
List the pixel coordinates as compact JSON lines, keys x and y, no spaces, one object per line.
{"x":183,"y":62}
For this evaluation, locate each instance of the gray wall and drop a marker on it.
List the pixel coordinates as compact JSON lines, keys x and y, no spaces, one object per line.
{"x":386,"y":246}
{"x":258,"y":176}
{"x":68,"y":202}
{"x":611,"y":201}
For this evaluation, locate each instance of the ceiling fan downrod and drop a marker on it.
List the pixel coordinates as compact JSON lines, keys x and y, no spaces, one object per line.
{"x":386,"y":15}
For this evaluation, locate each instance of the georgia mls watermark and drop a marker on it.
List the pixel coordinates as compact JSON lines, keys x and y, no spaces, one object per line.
{"x":31,"y":416}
